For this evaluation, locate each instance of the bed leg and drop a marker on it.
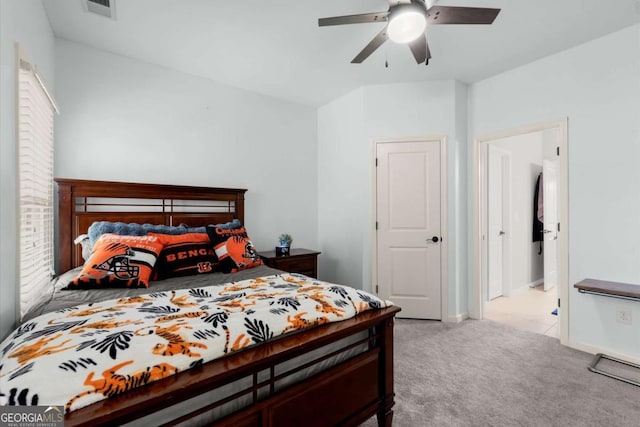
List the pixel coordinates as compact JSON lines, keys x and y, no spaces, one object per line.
{"x":385,"y":419}
{"x":385,"y":413}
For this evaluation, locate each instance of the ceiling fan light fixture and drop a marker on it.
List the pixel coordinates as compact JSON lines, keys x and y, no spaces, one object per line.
{"x":406,"y":24}
{"x":407,"y":21}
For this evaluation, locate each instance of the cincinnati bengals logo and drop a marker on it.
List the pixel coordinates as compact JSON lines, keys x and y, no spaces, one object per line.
{"x":240,"y":250}
{"x":118,"y":263}
{"x":205,"y":267}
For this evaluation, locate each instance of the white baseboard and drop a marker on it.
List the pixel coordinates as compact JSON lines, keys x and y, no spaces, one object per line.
{"x":588,"y":348}
{"x":535,"y":283}
{"x":524,"y":288}
{"x":456,"y":319}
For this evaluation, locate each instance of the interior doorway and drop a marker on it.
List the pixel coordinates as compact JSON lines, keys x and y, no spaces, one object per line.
{"x":528,"y":262}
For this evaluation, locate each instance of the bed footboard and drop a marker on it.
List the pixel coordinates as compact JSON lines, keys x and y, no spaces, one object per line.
{"x":346,"y":394}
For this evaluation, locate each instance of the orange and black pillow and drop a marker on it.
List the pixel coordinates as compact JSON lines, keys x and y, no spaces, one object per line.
{"x":234,"y":249}
{"x":119,"y":262}
{"x":185,"y":255}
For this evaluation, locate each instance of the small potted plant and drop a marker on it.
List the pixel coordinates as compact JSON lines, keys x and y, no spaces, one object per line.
{"x":285,"y":240}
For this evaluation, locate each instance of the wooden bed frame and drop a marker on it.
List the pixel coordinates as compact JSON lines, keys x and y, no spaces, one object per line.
{"x":346,"y":394}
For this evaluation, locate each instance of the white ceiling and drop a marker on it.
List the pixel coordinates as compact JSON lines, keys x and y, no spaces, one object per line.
{"x":276,"y":48}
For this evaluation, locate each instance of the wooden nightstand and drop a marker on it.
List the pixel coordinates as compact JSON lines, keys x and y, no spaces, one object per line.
{"x":301,"y":261}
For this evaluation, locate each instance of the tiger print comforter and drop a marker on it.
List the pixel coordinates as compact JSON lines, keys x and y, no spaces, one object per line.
{"x":83,"y":354}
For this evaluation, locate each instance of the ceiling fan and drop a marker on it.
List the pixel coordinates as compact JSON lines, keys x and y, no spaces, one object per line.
{"x":407,"y":21}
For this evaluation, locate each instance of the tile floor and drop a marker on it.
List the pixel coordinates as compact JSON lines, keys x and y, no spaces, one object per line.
{"x":529,"y":310}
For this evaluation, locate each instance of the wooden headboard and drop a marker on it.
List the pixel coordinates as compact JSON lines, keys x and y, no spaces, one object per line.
{"x":81,"y":202}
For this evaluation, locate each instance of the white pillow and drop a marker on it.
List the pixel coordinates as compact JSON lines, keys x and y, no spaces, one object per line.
{"x":83,"y":240}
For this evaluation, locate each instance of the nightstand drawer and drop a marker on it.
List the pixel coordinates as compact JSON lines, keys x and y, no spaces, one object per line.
{"x":300,"y":261}
{"x":296,"y":264}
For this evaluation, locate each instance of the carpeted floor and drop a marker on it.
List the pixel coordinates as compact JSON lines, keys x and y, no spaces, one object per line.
{"x":482,"y":373}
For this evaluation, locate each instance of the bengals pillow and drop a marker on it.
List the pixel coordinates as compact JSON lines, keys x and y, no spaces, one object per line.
{"x":184,"y":255}
{"x":119,"y":262}
{"x":234,"y":249}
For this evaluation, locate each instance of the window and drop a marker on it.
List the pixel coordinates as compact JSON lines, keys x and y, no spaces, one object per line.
{"x":35,"y":176}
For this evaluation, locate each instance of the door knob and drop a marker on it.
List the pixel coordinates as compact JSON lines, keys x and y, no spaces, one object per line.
{"x":501,"y":233}
{"x":435,"y":239}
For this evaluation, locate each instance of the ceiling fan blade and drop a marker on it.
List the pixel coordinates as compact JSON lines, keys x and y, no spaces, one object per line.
{"x":419,"y":49}
{"x":426,"y":62}
{"x":461,"y":15}
{"x":371,"y":47}
{"x":354,"y":19}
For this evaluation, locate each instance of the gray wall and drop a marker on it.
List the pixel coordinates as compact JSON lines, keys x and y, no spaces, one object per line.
{"x":126,"y":120}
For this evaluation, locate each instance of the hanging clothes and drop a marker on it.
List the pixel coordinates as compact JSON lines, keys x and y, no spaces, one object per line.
{"x":540,"y":189}
{"x":538,"y":213}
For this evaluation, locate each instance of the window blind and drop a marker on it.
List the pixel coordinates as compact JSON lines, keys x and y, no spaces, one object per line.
{"x":35,"y":176}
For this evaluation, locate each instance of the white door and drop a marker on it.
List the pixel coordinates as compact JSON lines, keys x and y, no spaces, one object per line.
{"x":497,"y":164}
{"x":409,"y":235}
{"x":550,"y":220}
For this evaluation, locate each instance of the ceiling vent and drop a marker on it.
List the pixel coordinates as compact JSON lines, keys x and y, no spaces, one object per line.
{"x":105,"y":8}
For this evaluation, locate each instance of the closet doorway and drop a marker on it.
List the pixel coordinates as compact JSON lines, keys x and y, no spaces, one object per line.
{"x":521,"y":265}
